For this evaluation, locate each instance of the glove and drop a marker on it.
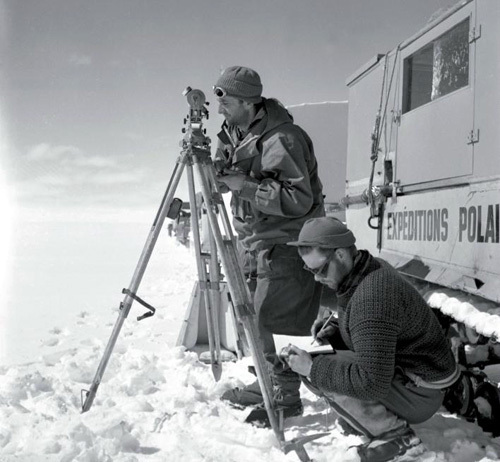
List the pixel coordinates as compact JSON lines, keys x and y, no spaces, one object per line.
{"x":325,"y":330}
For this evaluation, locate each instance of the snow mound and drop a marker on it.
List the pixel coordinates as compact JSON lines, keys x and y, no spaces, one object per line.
{"x":483,"y":317}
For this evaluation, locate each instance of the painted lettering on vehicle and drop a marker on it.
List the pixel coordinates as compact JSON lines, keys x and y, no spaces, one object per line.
{"x":476,"y":223}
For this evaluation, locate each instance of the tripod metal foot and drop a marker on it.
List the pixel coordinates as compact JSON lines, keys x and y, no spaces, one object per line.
{"x":297,"y":445}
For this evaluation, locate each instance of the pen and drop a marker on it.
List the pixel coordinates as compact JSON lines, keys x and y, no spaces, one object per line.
{"x":324,"y":325}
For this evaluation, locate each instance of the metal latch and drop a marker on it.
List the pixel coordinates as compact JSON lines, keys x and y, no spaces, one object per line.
{"x":475,"y":34}
{"x":396,"y":117}
{"x":473,"y":137}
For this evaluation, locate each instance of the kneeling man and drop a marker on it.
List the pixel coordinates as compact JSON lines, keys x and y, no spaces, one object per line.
{"x":393,"y":360}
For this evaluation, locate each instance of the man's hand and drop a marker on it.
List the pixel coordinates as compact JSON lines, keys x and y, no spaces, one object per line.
{"x":233,"y":180}
{"x":299,"y":360}
{"x":322,"y":330}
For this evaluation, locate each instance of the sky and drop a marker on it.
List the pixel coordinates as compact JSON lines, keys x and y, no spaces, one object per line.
{"x":91,"y":92}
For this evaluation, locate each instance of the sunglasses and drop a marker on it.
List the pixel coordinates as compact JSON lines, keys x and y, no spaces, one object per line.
{"x":219,"y":92}
{"x":320,"y":270}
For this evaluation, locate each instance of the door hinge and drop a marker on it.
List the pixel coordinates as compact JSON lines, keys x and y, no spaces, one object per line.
{"x":473,"y":137}
{"x":396,"y":117}
{"x":475,"y":34}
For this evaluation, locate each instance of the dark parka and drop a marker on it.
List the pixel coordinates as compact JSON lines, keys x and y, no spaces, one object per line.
{"x":282,"y":189}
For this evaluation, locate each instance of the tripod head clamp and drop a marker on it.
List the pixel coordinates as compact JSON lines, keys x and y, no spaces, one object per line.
{"x":195,"y":133}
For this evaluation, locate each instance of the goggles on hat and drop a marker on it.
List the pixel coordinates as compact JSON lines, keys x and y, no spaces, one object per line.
{"x":320,"y":270}
{"x":219,"y":92}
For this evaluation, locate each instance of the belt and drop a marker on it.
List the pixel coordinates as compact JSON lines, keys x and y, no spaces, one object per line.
{"x":438,"y":384}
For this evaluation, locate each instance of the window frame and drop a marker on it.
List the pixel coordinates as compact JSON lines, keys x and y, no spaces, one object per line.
{"x":406,"y":95}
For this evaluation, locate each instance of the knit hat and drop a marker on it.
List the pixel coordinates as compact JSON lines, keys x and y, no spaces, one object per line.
{"x":325,"y":232}
{"x":241,"y":82}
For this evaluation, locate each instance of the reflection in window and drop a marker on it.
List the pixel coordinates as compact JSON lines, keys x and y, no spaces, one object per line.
{"x":437,"y":69}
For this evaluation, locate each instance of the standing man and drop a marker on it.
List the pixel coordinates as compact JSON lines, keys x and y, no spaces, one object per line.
{"x":396,"y":361}
{"x":268,"y":164}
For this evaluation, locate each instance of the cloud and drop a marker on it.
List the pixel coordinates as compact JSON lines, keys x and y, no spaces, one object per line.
{"x":71,"y":175}
{"x":54,"y":180}
{"x":67,"y":156}
{"x":91,"y":161}
{"x":46,"y":152}
{"x":55,"y":183}
{"x":117,"y":178}
{"x":67,"y":179}
{"x":79,"y":60}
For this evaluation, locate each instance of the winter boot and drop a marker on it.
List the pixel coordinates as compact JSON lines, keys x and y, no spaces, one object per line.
{"x":286,"y":385}
{"x":397,"y":445}
{"x":246,"y":396}
{"x":249,"y":395}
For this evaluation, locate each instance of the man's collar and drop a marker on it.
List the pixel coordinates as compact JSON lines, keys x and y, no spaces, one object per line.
{"x":253,"y":127}
{"x":260,"y":113}
{"x":357,"y":273}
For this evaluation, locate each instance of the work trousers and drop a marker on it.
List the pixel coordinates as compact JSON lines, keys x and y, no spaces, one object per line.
{"x":286,"y":297}
{"x":406,"y":403}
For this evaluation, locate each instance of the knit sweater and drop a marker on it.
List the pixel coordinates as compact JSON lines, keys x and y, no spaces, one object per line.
{"x":387,"y":324}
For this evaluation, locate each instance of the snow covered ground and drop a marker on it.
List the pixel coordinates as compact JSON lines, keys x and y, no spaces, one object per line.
{"x":157,"y":402}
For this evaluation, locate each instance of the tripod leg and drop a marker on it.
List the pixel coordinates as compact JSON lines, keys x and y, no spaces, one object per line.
{"x":238,"y":289}
{"x":210,"y":307}
{"x":215,"y":292}
{"x":135,"y":282}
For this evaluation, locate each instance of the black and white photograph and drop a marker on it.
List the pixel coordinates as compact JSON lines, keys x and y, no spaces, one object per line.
{"x":243,"y":231}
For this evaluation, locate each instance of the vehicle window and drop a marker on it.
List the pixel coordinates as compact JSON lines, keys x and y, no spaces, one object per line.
{"x":438,"y":68}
